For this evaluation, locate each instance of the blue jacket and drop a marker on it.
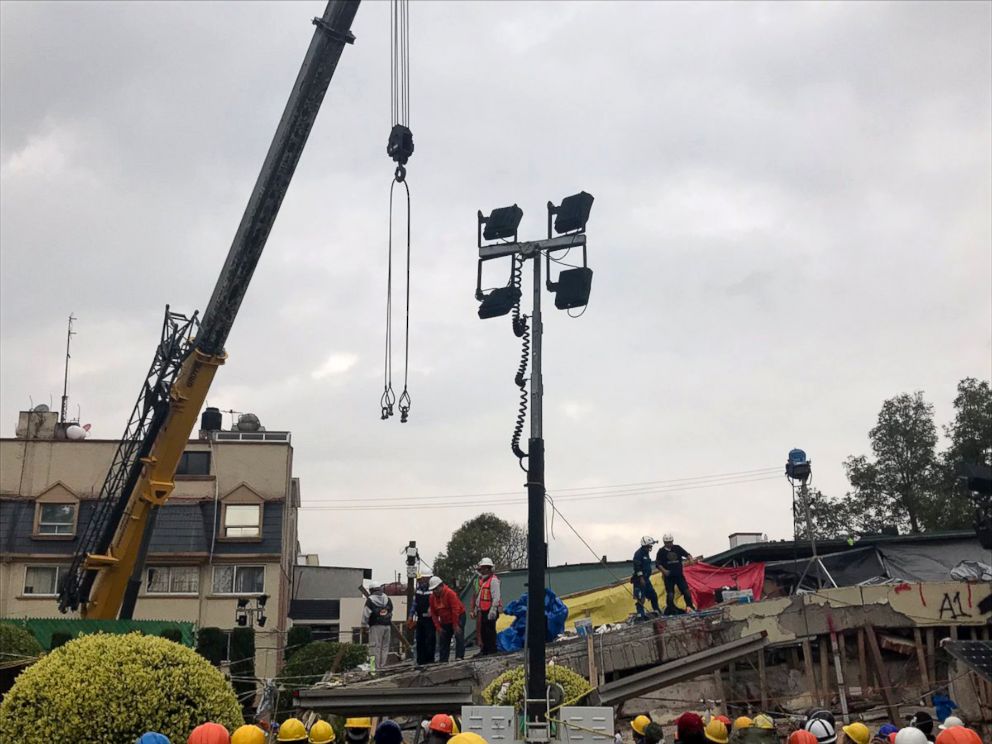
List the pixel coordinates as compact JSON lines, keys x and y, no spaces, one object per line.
{"x":642,"y":561}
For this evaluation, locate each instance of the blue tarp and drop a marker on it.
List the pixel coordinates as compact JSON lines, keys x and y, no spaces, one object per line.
{"x":555,"y":615}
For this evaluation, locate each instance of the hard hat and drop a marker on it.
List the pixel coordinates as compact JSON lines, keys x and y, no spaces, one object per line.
{"x":209,"y":733}
{"x":374,"y":585}
{"x":640,"y":723}
{"x":822,"y":730}
{"x":486,"y":562}
{"x":763,"y":721}
{"x":358,"y":723}
{"x":454,"y":726}
{"x":388,"y":732}
{"x":647,"y":540}
{"x":742,"y":722}
{"x":821,"y":713}
{"x":923,"y":721}
{"x":887,"y":728}
{"x":292,"y":729}
{"x":434,"y":583}
{"x":951,"y":722}
{"x":248,"y":734}
{"x":958,"y":735}
{"x":726,"y":721}
{"x":857,"y":732}
{"x":654,"y":734}
{"x":425,"y":574}
{"x":320,"y":733}
{"x":716,"y":731}
{"x":441,"y":723}
{"x":152,"y":737}
{"x":911,"y":735}
{"x":667,"y":537}
{"x":802,"y":737}
{"x":467,"y":737}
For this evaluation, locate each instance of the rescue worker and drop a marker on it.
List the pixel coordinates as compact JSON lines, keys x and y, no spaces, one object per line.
{"x":446,"y":612}
{"x":741,"y":724}
{"x":761,"y":731}
{"x":924,"y":722}
{"x":669,"y":562}
{"x":321,"y":732}
{"x":357,"y":730}
{"x":643,"y":588}
{"x":689,"y":729}
{"x":152,"y":737}
{"x":248,"y":734}
{"x":822,"y":729}
{"x":654,"y":734}
{"x":802,"y":736}
{"x":388,"y":732}
{"x":440,"y":729}
{"x":716,"y":731}
{"x":425,"y":639}
{"x":209,"y":733}
{"x":486,"y":605}
{"x":378,"y":618}
{"x":854,"y":733}
{"x":292,"y":731}
{"x":639,"y":726}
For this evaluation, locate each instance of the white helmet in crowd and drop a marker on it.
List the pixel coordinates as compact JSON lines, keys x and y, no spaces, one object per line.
{"x":425,"y":574}
{"x":822,"y":730}
{"x":646,"y":540}
{"x":434,"y":583}
{"x":486,"y":562}
{"x":911,"y":735}
{"x":375,"y":586}
{"x":667,"y":537}
{"x":951,"y":722}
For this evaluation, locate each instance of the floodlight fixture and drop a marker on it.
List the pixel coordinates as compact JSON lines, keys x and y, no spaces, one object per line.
{"x":573,"y":287}
{"x":261,"y":621}
{"x":242,"y":602}
{"x":262,"y":599}
{"x":499,"y":302}
{"x":572,"y":215}
{"x":502,"y":223}
{"x":242,"y":620}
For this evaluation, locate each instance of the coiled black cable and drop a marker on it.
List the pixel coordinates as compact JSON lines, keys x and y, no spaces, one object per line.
{"x":521,"y":329}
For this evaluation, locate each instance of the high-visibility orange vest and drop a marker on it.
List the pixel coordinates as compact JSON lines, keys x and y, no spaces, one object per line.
{"x":485,"y":593}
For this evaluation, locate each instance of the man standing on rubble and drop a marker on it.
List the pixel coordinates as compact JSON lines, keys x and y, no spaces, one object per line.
{"x":643,"y":588}
{"x":486,"y":605}
{"x":377,"y":616}
{"x":669,"y":562}
{"x":420,"y":618}
{"x":446,"y":612}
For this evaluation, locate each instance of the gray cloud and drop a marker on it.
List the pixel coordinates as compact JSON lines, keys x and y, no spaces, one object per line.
{"x":792,"y":223}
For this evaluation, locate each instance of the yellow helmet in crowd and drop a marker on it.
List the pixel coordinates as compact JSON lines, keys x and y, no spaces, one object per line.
{"x":358,"y":723}
{"x":640,"y":724}
{"x":742,"y":722}
{"x":716,"y":731}
{"x":321,"y":733}
{"x":248,"y":734}
{"x":763,"y":721}
{"x":292,"y":730}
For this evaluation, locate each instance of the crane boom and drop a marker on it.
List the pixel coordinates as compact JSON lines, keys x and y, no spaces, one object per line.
{"x":101,"y":580}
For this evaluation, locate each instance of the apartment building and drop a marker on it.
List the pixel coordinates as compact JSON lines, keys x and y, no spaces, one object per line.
{"x":228,"y":533}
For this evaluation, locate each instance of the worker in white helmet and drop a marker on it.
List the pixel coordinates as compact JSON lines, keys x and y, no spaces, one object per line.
{"x":669,"y":562}
{"x":420,"y":620}
{"x":487,"y":603}
{"x":643,"y":588}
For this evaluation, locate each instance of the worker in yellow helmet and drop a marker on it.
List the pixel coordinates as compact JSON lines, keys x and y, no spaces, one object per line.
{"x":248,"y":734}
{"x":321,"y":733}
{"x":467,"y":737}
{"x":292,"y":731}
{"x":716,"y":731}
{"x":740,"y":726}
{"x":640,"y":726}
{"x":358,"y":730}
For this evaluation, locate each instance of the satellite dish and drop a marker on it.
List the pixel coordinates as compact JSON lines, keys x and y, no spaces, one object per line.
{"x":249,"y":422}
{"x":41,"y":408}
{"x":76,"y":432}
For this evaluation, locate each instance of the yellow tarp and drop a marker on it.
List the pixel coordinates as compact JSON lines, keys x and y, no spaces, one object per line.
{"x":610,"y":604}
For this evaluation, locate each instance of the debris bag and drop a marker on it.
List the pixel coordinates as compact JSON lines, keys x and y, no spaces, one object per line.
{"x":972,"y":571}
{"x":555,"y":615}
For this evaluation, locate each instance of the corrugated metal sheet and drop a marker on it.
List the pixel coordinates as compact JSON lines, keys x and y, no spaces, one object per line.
{"x":43,"y":628}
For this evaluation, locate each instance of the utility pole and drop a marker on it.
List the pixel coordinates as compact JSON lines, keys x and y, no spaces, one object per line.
{"x":411,"y":579}
{"x":65,"y":384}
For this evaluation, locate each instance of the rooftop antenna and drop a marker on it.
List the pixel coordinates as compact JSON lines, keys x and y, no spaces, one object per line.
{"x":65,"y":384}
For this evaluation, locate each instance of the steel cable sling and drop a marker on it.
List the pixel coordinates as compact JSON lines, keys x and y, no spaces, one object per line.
{"x":399,"y":148}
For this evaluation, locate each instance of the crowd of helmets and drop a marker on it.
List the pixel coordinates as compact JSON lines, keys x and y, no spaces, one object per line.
{"x":818,"y":726}
{"x":441,"y":729}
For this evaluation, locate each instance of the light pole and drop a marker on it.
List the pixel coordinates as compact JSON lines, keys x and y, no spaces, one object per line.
{"x":572,"y":290}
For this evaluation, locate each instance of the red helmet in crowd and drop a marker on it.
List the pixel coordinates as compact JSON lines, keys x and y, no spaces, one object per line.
{"x":209,"y":733}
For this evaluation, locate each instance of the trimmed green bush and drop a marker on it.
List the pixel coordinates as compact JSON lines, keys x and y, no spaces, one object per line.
{"x":298,"y":636}
{"x":17,"y":642}
{"x":59,"y":638}
{"x":243,"y":665}
{"x":108,"y":689}
{"x":172,"y":634}
{"x":211,"y":644}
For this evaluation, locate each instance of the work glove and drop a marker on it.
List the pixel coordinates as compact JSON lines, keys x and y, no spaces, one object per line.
{"x":493,"y":613}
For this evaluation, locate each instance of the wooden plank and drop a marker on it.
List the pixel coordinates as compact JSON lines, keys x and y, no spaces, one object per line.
{"x":591,"y":660}
{"x":883,"y":674}
{"x":721,"y":706}
{"x":921,"y":660}
{"x":862,"y":663}
{"x":951,"y":685}
{"x":808,"y":665}
{"x":839,"y":671}
{"x":931,"y":655}
{"x":762,"y":680}
{"x":825,"y":696}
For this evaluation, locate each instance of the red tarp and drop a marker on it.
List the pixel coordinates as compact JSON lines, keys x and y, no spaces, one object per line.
{"x":704,"y":579}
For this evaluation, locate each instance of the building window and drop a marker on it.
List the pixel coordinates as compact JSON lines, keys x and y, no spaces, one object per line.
{"x":173,"y":580}
{"x":56,"y":519}
{"x":194,"y":463}
{"x":239,"y":580}
{"x":325,"y":632}
{"x":43,"y":581}
{"x":243,"y":520}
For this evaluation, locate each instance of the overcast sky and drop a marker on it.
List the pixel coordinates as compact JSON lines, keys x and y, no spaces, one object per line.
{"x":792,"y":223}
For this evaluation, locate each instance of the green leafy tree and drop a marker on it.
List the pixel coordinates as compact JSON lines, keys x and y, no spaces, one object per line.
{"x":243,"y":665}
{"x":17,"y":644}
{"x":298,"y":637}
{"x":485,"y":536}
{"x":311,"y":662}
{"x":828,"y":517}
{"x":899,"y":486}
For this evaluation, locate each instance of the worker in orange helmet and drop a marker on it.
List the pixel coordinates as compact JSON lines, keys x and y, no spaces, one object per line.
{"x":802,"y":736}
{"x":958,"y":735}
{"x":440,"y":729}
{"x":209,"y":733}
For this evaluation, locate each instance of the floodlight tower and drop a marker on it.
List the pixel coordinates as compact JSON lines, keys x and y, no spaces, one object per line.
{"x":571,"y":290}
